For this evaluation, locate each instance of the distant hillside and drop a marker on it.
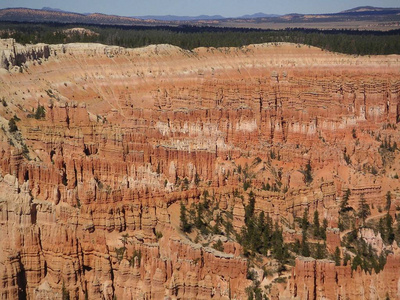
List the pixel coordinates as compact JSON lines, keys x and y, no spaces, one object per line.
{"x":259,"y":15}
{"x":58,"y":16}
{"x":52,"y":9}
{"x":355,"y":14}
{"x":368,"y":9}
{"x":48,"y":15}
{"x":180,"y":18}
{"x":203,"y":17}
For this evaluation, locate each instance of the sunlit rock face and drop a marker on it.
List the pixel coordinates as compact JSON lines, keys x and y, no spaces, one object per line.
{"x":128,"y":134}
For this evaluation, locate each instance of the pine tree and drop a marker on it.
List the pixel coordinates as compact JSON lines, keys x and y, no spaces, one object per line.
{"x":198,"y":223}
{"x":336,"y":256}
{"x":267,"y":234}
{"x":388,"y":200}
{"x":249,"y":209}
{"x":308,"y":174}
{"x":320,"y":252}
{"x":184,"y":224}
{"x":64,"y":292}
{"x":261,"y":228}
{"x":381,"y":261}
{"x":125,"y":240}
{"x":305,"y":247}
{"x":40,"y":112}
{"x":280,"y":250}
{"x":389,"y":229}
{"x":357,"y":261}
{"x":218,"y":246}
{"x":323,"y":229}
{"x":196,"y":179}
{"x":304,"y":220}
{"x":363,"y":210}
{"x":382,"y":229}
{"x":228,"y":228}
{"x":316,"y":224}
{"x":345,"y":201}
{"x":346,"y":259}
{"x":394,"y":147}
{"x":216,"y":229}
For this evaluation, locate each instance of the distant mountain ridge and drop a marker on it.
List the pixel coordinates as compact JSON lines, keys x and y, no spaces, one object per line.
{"x":60,"y":16}
{"x":203,"y":17}
{"x":52,"y":9}
{"x":180,"y":18}
{"x":259,"y":15}
{"x":48,"y":14}
{"x":46,"y":8}
{"x":369,"y":9}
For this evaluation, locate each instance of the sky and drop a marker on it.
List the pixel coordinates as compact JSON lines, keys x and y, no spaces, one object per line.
{"x":226,"y":8}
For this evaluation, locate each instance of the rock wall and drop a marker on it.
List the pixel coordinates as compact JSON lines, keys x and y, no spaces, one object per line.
{"x":15,"y":55}
{"x":122,"y":130}
{"x":315,"y":279}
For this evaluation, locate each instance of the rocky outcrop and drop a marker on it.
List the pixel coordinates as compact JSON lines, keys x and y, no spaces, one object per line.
{"x":314,"y":279}
{"x":15,"y":55}
{"x":128,"y":134}
{"x":54,"y":244}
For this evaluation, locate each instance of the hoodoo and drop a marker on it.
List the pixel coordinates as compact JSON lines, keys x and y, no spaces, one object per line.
{"x":217,"y":173}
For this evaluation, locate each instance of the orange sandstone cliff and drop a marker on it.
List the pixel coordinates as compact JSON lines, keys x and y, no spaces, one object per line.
{"x":108,"y":142}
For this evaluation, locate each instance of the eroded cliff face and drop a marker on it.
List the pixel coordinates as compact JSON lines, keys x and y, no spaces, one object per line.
{"x":316,"y":279}
{"x":90,"y":190}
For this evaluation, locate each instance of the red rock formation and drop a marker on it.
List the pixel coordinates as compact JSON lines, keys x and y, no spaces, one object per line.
{"x":124,"y":127}
{"x":332,"y":239}
{"x":313,"y":279}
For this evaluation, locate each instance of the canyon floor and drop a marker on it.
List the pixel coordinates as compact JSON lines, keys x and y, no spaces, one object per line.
{"x":269,"y":171}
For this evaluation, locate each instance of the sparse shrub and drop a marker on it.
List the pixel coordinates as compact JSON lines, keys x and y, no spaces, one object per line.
{"x":185,"y":184}
{"x":219,"y":246}
{"x":12,"y":126}
{"x":374,"y":171}
{"x":246,"y":184}
{"x":272,"y":154}
{"x":159,"y":235}
{"x":64,"y":179}
{"x":137,"y":254}
{"x":257,"y":160}
{"x":64,"y":292}
{"x":196,"y":179}
{"x":353,"y":133}
{"x":266,"y":187}
{"x":120,"y":253}
{"x":388,"y":200}
{"x":307,"y":174}
{"x":347,"y":158}
{"x":40,"y":112}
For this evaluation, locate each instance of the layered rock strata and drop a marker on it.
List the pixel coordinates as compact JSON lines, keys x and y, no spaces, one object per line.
{"x":87,"y":187}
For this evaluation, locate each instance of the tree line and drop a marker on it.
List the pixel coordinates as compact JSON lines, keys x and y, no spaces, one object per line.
{"x":190,"y":37}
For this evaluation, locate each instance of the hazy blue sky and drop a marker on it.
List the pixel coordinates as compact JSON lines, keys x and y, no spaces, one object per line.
{"x":226,"y":8}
